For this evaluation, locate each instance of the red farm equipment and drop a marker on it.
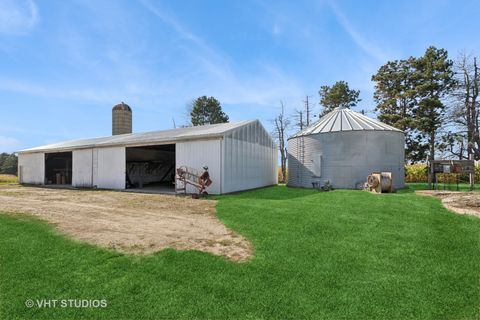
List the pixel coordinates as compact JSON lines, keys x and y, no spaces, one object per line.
{"x":189,"y":176}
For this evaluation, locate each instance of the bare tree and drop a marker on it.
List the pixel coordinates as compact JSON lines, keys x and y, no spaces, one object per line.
{"x":303,"y":118}
{"x":299,"y":121}
{"x":281,"y":125}
{"x":464,"y":111}
{"x":308,"y":111}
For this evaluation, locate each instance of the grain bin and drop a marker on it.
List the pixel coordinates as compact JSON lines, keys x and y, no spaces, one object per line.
{"x":344,"y":147}
{"x":121,"y":119}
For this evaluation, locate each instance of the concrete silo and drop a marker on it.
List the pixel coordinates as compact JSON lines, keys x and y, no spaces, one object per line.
{"x":344,"y":147}
{"x":121,"y":119}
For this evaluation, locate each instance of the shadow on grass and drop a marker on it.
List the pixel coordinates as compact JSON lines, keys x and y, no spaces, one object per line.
{"x":412,"y":187}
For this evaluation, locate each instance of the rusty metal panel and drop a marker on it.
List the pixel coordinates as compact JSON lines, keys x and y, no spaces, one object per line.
{"x":453,"y":166}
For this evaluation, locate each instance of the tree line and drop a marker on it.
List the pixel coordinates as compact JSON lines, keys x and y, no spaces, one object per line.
{"x":8,"y":163}
{"x":412,"y":95}
{"x":434,"y":100}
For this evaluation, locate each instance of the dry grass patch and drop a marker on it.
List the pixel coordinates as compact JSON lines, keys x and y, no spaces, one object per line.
{"x":8,"y":178}
{"x":456,"y":201}
{"x":129,"y":222}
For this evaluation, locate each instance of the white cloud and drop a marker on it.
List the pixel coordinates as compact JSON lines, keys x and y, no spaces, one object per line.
{"x":17,"y":17}
{"x":8,"y":142}
{"x":218,"y":76}
{"x":366,"y":45}
{"x":173,"y":23}
{"x":276,"y":30}
{"x":33,"y":89}
{"x":205,"y":70}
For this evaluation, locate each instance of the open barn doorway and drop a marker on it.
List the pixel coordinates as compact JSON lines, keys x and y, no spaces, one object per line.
{"x":58,"y":168}
{"x":151,"y":168}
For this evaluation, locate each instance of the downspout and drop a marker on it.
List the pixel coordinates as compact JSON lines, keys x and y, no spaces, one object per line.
{"x":222,"y":141}
{"x":91,"y":184}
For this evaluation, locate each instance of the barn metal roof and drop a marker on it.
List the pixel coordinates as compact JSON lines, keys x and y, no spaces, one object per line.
{"x":344,"y":119}
{"x":144,"y":138}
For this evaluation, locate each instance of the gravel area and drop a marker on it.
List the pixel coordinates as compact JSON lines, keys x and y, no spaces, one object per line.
{"x":129,"y":222}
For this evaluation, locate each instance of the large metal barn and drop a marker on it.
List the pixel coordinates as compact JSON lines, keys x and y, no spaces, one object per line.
{"x":239,"y":156}
{"x":344,"y":147}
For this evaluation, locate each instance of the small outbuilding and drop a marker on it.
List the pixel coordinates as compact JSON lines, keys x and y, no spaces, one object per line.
{"x":239,"y":156}
{"x":344,"y":147}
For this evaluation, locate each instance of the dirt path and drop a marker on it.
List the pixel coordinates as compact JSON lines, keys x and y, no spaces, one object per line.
{"x":458,"y":202}
{"x":129,"y":222}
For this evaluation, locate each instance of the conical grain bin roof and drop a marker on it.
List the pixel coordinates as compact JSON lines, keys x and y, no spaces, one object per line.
{"x":344,"y":119}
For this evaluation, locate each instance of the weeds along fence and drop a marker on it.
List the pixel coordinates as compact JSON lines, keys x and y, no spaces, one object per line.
{"x":418,"y":173}
{"x":280,"y":176}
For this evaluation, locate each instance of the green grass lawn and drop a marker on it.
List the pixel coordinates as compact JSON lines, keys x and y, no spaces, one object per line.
{"x":334,"y":255}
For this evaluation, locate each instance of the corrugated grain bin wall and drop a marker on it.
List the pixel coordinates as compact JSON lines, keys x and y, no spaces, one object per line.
{"x":344,"y":148}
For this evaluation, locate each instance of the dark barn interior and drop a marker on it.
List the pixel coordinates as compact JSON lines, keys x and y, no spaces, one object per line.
{"x":151,"y":167}
{"x":58,"y":168}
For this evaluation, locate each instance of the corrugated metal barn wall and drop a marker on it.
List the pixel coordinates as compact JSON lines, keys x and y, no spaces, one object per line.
{"x":249,"y":158}
{"x":111,"y":168}
{"x":345,"y":158}
{"x":31,"y":168}
{"x":197,"y":154}
{"x":98,"y":167}
{"x":82,"y":168}
{"x":103,"y":168}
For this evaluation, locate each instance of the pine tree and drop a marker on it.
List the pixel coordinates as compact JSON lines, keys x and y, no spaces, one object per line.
{"x":338,"y":95}
{"x":207,"y":110}
{"x":434,"y":79}
{"x":396,"y":99}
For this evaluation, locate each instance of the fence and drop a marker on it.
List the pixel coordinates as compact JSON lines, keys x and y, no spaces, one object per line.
{"x":418,"y":173}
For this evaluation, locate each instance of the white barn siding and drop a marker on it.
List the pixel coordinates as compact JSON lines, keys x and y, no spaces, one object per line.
{"x":110,"y":168}
{"x":31,"y":168}
{"x":200,"y":153}
{"x":82,"y":168}
{"x":250,"y":159}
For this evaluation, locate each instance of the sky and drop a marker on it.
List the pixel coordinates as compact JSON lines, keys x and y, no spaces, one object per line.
{"x":64,"y":64}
